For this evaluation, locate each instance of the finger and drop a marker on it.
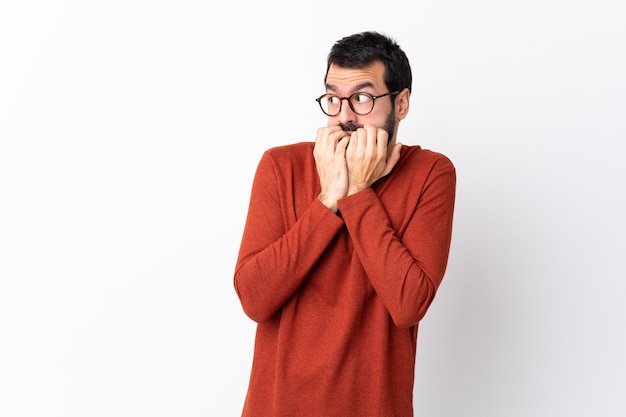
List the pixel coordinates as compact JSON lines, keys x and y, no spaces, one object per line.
{"x":318,"y":142}
{"x":321,"y":149}
{"x":352,"y":145}
{"x":318,"y":134}
{"x":343,"y":143}
{"x":337,"y":135}
{"x":327,"y":131}
{"x":326,"y":139}
{"x":371,"y":143}
{"x":361,"y":140}
{"x":382,"y":140}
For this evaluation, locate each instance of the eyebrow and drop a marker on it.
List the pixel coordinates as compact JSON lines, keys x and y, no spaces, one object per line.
{"x":356,"y":88}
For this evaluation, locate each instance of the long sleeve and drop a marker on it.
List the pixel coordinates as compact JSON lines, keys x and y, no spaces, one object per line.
{"x":405,"y":262}
{"x":337,"y":297}
{"x":279,"y":247}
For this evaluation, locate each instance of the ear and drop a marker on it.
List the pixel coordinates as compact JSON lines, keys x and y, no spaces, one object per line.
{"x":403,"y":100}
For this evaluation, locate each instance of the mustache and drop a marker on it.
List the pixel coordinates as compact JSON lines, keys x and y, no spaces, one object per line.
{"x":350,"y":127}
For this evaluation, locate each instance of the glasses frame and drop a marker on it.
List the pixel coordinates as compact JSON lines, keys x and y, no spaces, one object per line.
{"x":341,"y":99}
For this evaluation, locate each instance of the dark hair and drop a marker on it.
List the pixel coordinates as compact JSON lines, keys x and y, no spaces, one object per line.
{"x":362,"y":49}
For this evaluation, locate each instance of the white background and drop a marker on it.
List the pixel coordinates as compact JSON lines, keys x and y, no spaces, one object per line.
{"x":130,"y":132}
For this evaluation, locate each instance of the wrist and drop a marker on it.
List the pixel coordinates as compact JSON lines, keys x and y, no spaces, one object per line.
{"x":356,"y":189}
{"x":330,"y":203}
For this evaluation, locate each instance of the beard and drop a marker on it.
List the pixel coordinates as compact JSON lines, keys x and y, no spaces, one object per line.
{"x":389,"y":126}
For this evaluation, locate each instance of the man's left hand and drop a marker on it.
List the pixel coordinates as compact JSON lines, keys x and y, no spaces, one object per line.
{"x":368,"y":157}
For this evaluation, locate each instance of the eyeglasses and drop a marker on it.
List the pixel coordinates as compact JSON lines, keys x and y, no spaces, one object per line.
{"x":360,"y":103}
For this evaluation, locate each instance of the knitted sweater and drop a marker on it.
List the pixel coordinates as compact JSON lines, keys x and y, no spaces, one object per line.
{"x":338,"y":297}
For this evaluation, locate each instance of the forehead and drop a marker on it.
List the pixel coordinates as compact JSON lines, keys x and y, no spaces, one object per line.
{"x":341,"y":79}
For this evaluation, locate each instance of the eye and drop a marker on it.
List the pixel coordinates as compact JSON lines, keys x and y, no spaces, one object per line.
{"x":333,"y":100}
{"x":361,"y":98}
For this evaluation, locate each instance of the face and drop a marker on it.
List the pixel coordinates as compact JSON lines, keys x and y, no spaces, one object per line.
{"x":346,"y":81}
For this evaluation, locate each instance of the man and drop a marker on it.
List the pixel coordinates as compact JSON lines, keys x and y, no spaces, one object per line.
{"x":345,"y":244}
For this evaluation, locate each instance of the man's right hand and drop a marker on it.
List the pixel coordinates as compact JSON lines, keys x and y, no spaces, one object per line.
{"x":330,"y":159}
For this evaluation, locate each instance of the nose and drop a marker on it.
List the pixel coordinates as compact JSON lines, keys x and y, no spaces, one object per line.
{"x":346,"y":114}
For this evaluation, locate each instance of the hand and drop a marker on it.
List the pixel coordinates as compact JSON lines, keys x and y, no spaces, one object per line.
{"x":330,"y":160}
{"x":368,"y":158}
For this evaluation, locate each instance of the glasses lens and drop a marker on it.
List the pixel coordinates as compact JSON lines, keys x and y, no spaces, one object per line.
{"x":331,"y":105}
{"x":362,"y":103}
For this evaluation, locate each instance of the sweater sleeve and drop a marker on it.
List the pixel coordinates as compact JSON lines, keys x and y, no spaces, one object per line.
{"x":405,"y":272}
{"x":275,"y":257}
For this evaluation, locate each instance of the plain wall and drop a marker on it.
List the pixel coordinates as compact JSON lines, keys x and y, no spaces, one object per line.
{"x":129,"y":135}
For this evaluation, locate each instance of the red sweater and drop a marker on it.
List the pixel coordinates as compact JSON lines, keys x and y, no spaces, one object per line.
{"x":338,"y":297}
